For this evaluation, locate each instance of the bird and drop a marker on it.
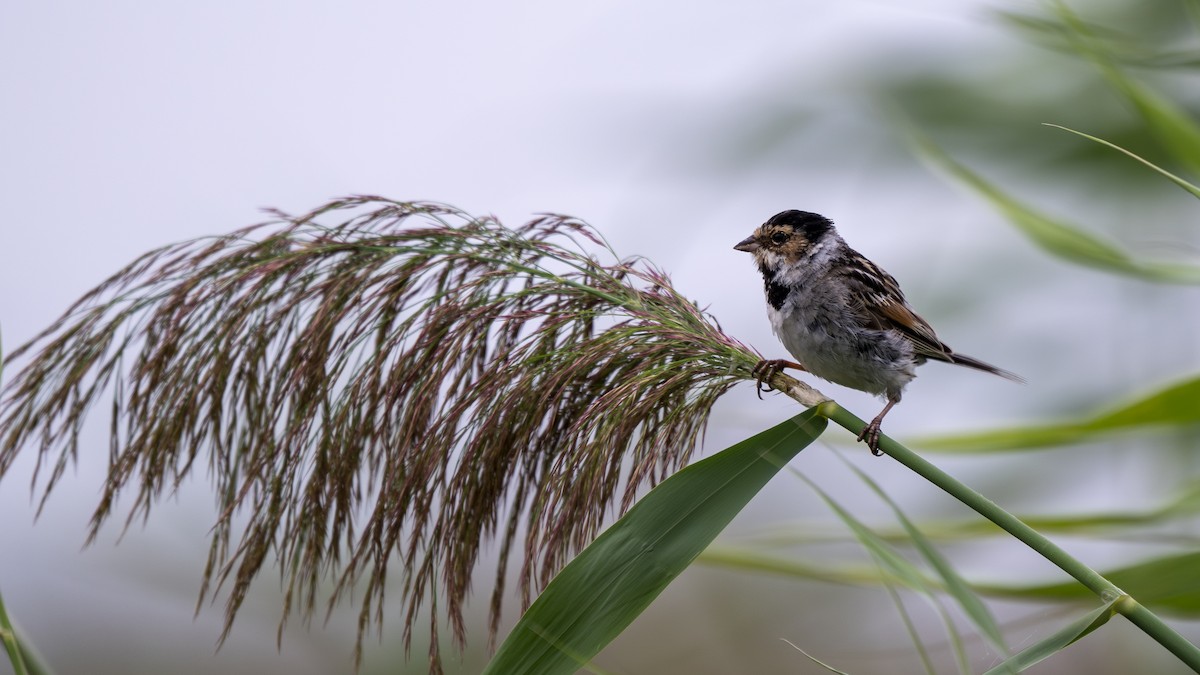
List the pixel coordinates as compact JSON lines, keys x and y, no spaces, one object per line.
{"x":840,"y":315}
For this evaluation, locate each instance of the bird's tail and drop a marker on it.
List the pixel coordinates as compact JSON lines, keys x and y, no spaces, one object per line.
{"x":969,"y":362}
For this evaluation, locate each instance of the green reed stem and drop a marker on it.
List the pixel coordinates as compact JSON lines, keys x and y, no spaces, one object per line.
{"x":1142,"y":617}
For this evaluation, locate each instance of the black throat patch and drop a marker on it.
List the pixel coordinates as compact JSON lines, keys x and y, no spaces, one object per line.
{"x":776,"y":292}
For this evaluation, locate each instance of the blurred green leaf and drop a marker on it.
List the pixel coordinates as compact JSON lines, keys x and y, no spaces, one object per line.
{"x":1058,"y":641}
{"x":1174,"y":129}
{"x":914,"y":635}
{"x":892,"y":563}
{"x":747,"y":559}
{"x":894,"y":568}
{"x":8,"y":636}
{"x":1099,"y":524}
{"x":608,"y":585}
{"x":1123,"y":524}
{"x":1169,"y":584}
{"x":1057,"y":237}
{"x":955,"y":585}
{"x":22,"y":655}
{"x":1143,"y":51}
{"x":1053,"y":33}
{"x":1175,"y":405}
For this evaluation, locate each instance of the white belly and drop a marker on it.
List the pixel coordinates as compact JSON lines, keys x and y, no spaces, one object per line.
{"x":877,"y":362}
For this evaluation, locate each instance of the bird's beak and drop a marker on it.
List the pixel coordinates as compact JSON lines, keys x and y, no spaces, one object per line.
{"x":749,"y":245}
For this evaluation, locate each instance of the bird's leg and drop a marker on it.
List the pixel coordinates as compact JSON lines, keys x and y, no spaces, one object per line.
{"x":871,"y":433}
{"x":766,"y":369}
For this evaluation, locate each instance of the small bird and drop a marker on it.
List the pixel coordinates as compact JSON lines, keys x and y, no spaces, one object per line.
{"x":841,"y":316}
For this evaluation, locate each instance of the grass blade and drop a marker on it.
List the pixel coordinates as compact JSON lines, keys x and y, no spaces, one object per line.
{"x":817,"y":661}
{"x":606,"y":586}
{"x":1190,"y":187}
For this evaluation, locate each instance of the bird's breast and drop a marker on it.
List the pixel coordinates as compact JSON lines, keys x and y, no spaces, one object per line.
{"x":825,"y":337}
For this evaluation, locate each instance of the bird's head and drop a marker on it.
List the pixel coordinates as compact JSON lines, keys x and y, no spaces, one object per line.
{"x":786,"y":238}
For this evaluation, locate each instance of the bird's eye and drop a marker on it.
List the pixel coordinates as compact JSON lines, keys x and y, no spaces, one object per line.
{"x":778,"y":238}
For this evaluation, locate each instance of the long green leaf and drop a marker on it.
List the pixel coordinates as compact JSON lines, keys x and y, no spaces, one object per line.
{"x":608,"y":585}
{"x":1056,"y":642}
{"x":744,"y":559}
{"x":1169,"y":584}
{"x":1055,"y":236}
{"x":1173,"y":405}
{"x":1100,"y":524}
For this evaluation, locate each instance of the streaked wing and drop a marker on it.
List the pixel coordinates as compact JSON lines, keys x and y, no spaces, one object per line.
{"x":883,"y":307}
{"x":916,"y":330}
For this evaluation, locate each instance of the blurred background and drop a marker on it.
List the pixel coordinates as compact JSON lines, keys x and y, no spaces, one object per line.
{"x":675,"y":128}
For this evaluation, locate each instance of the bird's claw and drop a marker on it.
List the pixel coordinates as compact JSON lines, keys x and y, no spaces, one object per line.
{"x":870,"y":434}
{"x":763,"y":371}
{"x":766,"y":369}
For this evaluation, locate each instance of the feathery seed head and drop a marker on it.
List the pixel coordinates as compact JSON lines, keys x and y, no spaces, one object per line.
{"x":390,"y":391}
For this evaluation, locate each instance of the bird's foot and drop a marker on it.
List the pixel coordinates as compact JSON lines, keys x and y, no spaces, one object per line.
{"x":870,"y":434}
{"x":764,"y":370}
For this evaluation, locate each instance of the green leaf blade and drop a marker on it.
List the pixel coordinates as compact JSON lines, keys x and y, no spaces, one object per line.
{"x":608,"y":585}
{"x":1055,"y":642}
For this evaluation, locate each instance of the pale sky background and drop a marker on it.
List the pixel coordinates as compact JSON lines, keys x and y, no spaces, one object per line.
{"x":128,"y":125}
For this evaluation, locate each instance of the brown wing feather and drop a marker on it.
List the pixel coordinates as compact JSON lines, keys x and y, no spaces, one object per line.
{"x":881,"y":305}
{"x":884,"y":307}
{"x":917,"y":330}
